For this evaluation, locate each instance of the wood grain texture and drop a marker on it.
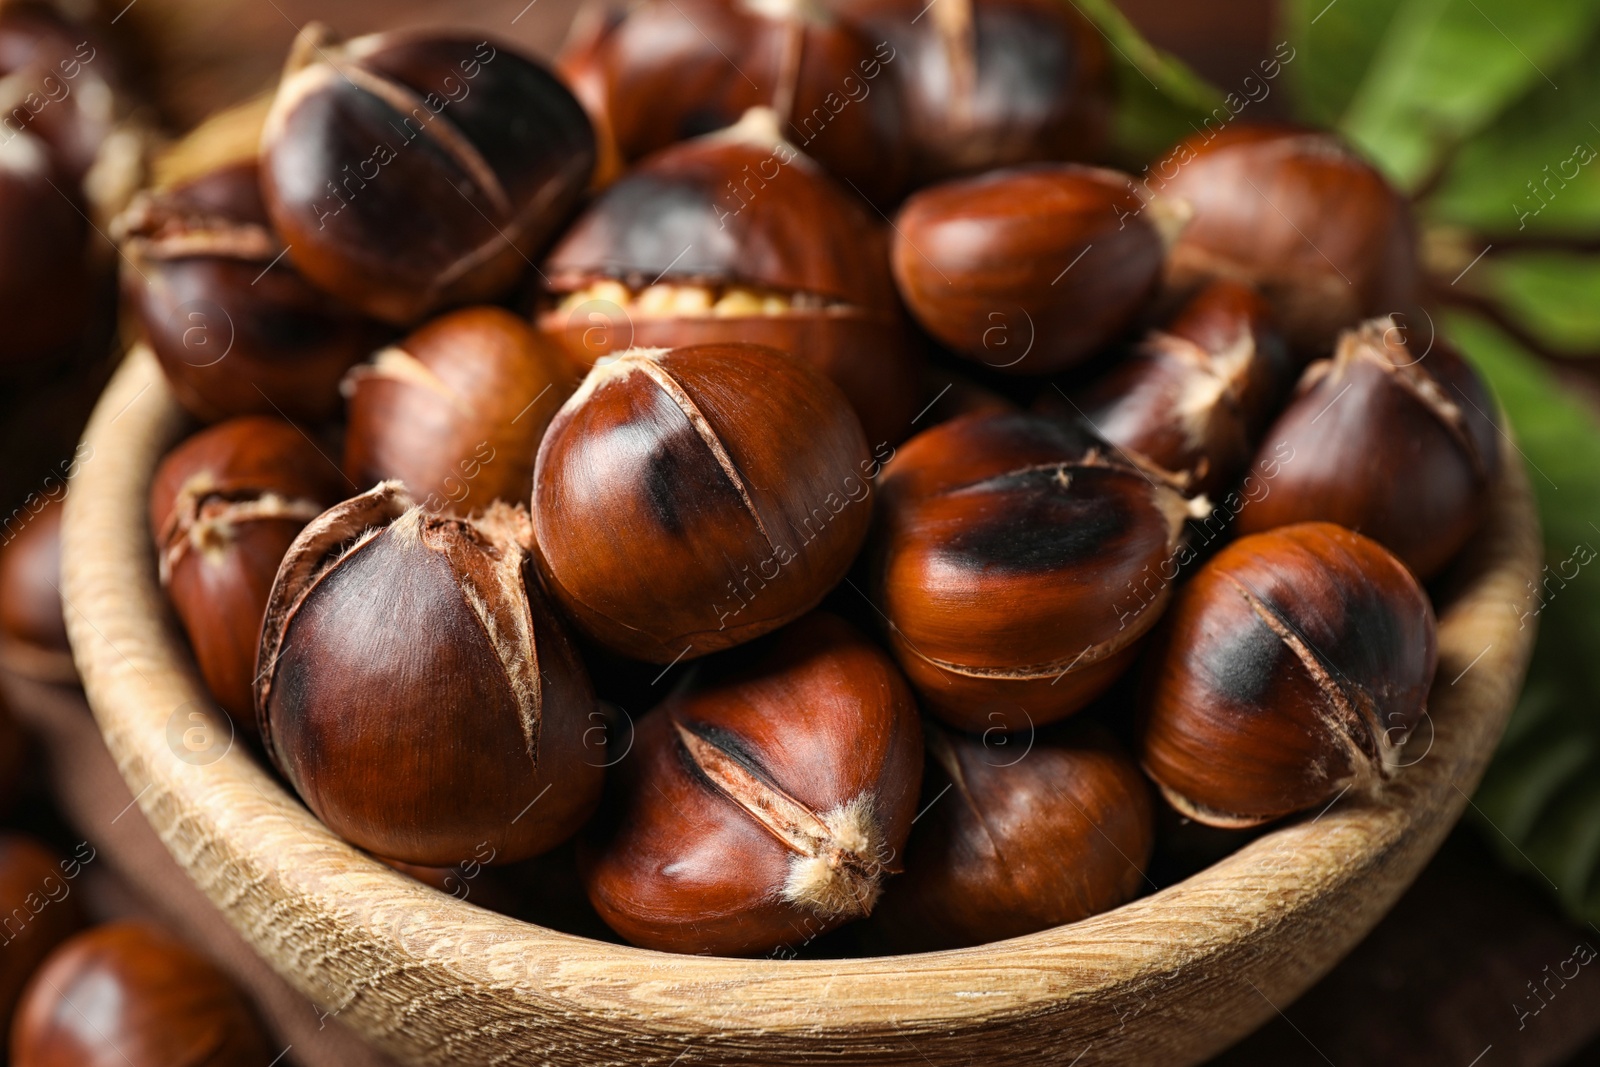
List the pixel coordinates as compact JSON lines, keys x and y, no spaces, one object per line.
{"x":1170,"y":978}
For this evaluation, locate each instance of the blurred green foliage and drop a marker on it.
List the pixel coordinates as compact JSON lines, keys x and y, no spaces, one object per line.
{"x":1488,"y":113}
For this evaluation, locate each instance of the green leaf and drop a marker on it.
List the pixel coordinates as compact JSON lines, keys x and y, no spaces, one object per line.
{"x":1334,"y":42}
{"x":1446,"y":68}
{"x":1539,"y":796}
{"x":1160,"y":100}
{"x":1524,"y":175}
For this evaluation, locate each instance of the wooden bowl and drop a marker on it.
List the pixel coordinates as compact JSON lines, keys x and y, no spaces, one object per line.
{"x":1170,"y":978}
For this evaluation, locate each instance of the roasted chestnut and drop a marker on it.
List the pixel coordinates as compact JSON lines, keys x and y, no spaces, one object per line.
{"x":1196,"y":397}
{"x":992,"y":83}
{"x":407,"y":171}
{"x":33,"y":625}
{"x":1297,"y":214}
{"x":738,"y":237}
{"x":416,"y":690}
{"x":455,"y":410}
{"x":224,"y":507}
{"x":237,"y":329}
{"x":763,"y":805}
{"x":45,"y":278}
{"x":60,"y":82}
{"x":687,"y":500}
{"x":1030,"y":270}
{"x":1006,"y":564}
{"x":1291,"y":668}
{"x":669,"y":70}
{"x":40,"y":911}
{"x":1395,"y":438}
{"x":1018,"y":837}
{"x":129,"y":994}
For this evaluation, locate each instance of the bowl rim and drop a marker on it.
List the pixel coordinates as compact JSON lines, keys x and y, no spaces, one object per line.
{"x":1176,"y":975}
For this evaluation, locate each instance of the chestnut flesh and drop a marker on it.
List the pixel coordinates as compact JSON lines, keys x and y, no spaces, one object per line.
{"x":763,"y":805}
{"x":416,"y":690}
{"x":737,"y":236}
{"x":455,"y":410}
{"x":1291,"y":668}
{"x":224,"y":507}
{"x":129,"y":994}
{"x":1395,"y":438}
{"x":1017,"y":838}
{"x":1005,"y":563}
{"x":689,"y":499}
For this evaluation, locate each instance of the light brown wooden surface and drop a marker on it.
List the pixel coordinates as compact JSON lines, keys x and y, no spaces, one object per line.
{"x":1168,"y":979}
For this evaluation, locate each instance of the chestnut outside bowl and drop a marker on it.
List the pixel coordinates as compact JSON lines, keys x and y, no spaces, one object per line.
{"x":1168,"y":979}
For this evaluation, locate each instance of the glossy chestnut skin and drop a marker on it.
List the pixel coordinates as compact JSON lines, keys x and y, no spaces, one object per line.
{"x":1298,"y":215}
{"x":1292,"y":667}
{"x":1394,"y":438}
{"x":418,"y":692}
{"x":409,"y":171}
{"x":62,"y":84}
{"x":129,"y":994}
{"x":1018,"y":838}
{"x":224,"y":507}
{"x":737,"y":236}
{"x":40,"y":908}
{"x":762,"y":805}
{"x":236,"y":328}
{"x":661,"y":72}
{"x":1005,"y":561}
{"x":690,"y":499}
{"x":455,"y":410}
{"x":990,"y":266}
{"x":33,"y":625}
{"x":45,"y":277}
{"x":992,"y":83}
{"x":1196,"y":397}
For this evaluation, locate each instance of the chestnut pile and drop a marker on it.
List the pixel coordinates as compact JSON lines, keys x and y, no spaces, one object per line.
{"x":815,"y":489}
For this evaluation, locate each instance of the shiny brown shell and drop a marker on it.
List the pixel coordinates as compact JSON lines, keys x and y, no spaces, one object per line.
{"x":1019,"y":561}
{"x":762,"y":806}
{"x":1029,"y":270}
{"x":686,"y":500}
{"x":417,"y":691}
{"x":1293,"y":667}
{"x":1395,"y":437}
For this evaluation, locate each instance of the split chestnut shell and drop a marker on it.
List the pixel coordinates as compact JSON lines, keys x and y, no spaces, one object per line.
{"x":416,"y":690}
{"x":763,"y":805}
{"x":1293,"y":666}
{"x":407,"y":171}
{"x":689,"y":499}
{"x":737,"y":236}
{"x":1393,"y":438}
{"x":1019,"y":562}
